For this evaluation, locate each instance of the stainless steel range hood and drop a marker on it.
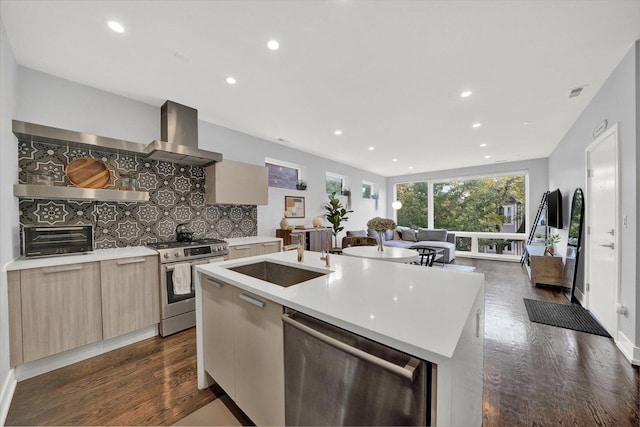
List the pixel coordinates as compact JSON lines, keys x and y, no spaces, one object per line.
{"x":179,"y":134}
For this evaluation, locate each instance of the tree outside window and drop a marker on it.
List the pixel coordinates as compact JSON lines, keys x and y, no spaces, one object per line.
{"x":414,"y":197}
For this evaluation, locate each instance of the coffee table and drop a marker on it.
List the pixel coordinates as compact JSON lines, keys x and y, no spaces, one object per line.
{"x":389,"y":254}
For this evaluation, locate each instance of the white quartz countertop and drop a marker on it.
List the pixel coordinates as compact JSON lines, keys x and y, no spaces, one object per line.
{"x":23,"y":263}
{"x":419,"y":310}
{"x":237,"y":241}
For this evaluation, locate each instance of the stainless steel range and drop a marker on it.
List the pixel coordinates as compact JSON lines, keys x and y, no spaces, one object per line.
{"x":177,"y":277}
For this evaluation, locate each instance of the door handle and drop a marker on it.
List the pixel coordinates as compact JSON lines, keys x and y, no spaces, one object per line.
{"x":611,"y":232}
{"x":610,"y":246}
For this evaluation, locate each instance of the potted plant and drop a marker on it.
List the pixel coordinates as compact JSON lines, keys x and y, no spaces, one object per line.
{"x":336,"y":213}
{"x":301,"y":184}
{"x":551,"y":243}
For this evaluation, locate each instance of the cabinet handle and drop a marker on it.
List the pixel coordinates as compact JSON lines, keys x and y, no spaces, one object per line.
{"x":269,"y":244}
{"x":252,"y":300}
{"x":242,"y":247}
{"x":130,"y":261}
{"x":213,"y":282}
{"x":62,"y":269}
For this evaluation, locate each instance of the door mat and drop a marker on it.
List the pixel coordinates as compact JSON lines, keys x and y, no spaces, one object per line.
{"x":563,"y":316}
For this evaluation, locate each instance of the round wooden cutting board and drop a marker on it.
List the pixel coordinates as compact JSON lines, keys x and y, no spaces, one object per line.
{"x":86,"y":172}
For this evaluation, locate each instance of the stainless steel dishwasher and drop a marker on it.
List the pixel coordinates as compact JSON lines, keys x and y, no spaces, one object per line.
{"x":334,"y":377}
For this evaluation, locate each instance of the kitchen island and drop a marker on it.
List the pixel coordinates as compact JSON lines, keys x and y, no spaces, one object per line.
{"x":432,"y":314}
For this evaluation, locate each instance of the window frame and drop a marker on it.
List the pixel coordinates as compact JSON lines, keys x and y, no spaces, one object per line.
{"x":288,"y":165}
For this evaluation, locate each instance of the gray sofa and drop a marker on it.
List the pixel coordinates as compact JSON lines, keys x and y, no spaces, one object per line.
{"x":405,"y":237}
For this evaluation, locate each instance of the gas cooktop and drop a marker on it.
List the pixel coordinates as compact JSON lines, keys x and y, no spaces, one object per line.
{"x":174,"y":244}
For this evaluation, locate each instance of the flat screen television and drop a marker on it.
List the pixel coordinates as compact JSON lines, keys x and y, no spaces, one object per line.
{"x":554,"y":209}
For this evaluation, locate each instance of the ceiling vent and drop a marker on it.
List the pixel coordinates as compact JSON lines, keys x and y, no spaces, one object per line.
{"x":575,"y":92}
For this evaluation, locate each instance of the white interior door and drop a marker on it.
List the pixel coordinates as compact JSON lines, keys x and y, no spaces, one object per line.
{"x":602,"y":234}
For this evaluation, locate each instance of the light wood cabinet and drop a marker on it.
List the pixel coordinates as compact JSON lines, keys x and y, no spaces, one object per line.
{"x":236,"y":183}
{"x":15,"y":318}
{"x":252,"y":249}
{"x":259,"y":349}
{"x":130,"y":294}
{"x":268,"y":247}
{"x":244,"y":349}
{"x":61,"y":308}
{"x":544,"y":269}
{"x":242,"y":251}
{"x":217,"y":323}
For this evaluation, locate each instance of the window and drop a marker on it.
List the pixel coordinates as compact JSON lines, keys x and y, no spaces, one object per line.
{"x":282,"y":174}
{"x":507,"y":212}
{"x":368,"y":190}
{"x":477,"y":204}
{"x":334,"y":183}
{"x":488,"y":204}
{"x":414,"y":197}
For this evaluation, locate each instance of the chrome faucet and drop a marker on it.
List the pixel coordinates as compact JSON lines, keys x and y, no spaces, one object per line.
{"x":301,"y":248}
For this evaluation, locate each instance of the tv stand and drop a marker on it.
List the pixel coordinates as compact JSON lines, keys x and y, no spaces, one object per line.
{"x":543,"y":269}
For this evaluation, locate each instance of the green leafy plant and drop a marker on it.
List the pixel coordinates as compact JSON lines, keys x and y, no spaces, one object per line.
{"x":336,"y":214}
{"x":553,"y":239}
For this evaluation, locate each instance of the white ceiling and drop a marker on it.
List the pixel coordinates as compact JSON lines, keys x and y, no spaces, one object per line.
{"x":387,"y":73}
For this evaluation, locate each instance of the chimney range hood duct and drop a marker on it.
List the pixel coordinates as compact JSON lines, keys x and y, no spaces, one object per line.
{"x":179,"y":134}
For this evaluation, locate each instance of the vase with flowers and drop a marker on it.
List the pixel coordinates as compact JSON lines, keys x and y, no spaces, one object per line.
{"x":380,"y":225}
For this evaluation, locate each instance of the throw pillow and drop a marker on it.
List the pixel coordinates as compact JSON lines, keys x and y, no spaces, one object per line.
{"x":359,"y":233}
{"x":400,"y":230}
{"x":409,"y":236}
{"x":396,"y":235}
{"x":372,"y":233}
{"x":388,"y":235}
{"x":432,"y":235}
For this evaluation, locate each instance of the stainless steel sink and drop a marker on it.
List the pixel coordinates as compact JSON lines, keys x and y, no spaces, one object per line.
{"x":278,"y":274}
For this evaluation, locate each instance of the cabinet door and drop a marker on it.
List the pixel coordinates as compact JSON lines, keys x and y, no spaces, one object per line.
{"x":267,"y":248}
{"x":130,"y":294}
{"x":217,"y":324}
{"x":60,"y":308}
{"x":259,"y":358}
{"x":241,"y":251}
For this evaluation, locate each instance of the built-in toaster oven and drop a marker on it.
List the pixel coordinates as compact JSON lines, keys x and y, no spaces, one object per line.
{"x":50,"y":241}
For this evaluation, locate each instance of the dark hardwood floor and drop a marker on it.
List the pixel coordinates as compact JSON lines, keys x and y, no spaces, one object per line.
{"x":534,"y":375}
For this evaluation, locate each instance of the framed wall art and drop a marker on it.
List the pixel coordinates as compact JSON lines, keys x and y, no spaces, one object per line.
{"x":294,"y":206}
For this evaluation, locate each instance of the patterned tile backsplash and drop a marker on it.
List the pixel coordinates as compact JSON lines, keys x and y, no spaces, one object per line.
{"x":176,"y":195}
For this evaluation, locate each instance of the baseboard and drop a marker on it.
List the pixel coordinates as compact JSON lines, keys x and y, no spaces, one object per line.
{"x":6,"y":394}
{"x":630,"y":352}
{"x":56,"y":361}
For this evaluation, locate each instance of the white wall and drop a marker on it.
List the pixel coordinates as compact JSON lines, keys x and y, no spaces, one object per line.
{"x":537,"y":170}
{"x":9,"y":211}
{"x":617,"y":102}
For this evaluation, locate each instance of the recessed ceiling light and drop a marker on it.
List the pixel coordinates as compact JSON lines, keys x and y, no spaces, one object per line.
{"x":476,"y":125}
{"x":372,"y":148}
{"x":410,"y":167}
{"x":337,"y":132}
{"x":230,"y":80}
{"x":526,"y":123}
{"x":273,"y":45}
{"x":483,"y":145}
{"x":487,"y":156}
{"x":115,"y":26}
{"x":466,"y":93}
{"x":395,"y":160}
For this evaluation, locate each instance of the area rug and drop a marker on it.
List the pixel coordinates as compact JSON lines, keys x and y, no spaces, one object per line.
{"x":467,"y":268}
{"x":563,"y":316}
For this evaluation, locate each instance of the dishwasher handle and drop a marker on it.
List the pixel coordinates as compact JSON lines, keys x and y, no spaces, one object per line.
{"x":408,"y":371}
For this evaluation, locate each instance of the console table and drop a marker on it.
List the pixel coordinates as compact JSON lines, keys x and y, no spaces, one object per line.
{"x":543,"y":269}
{"x":316,"y":239}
